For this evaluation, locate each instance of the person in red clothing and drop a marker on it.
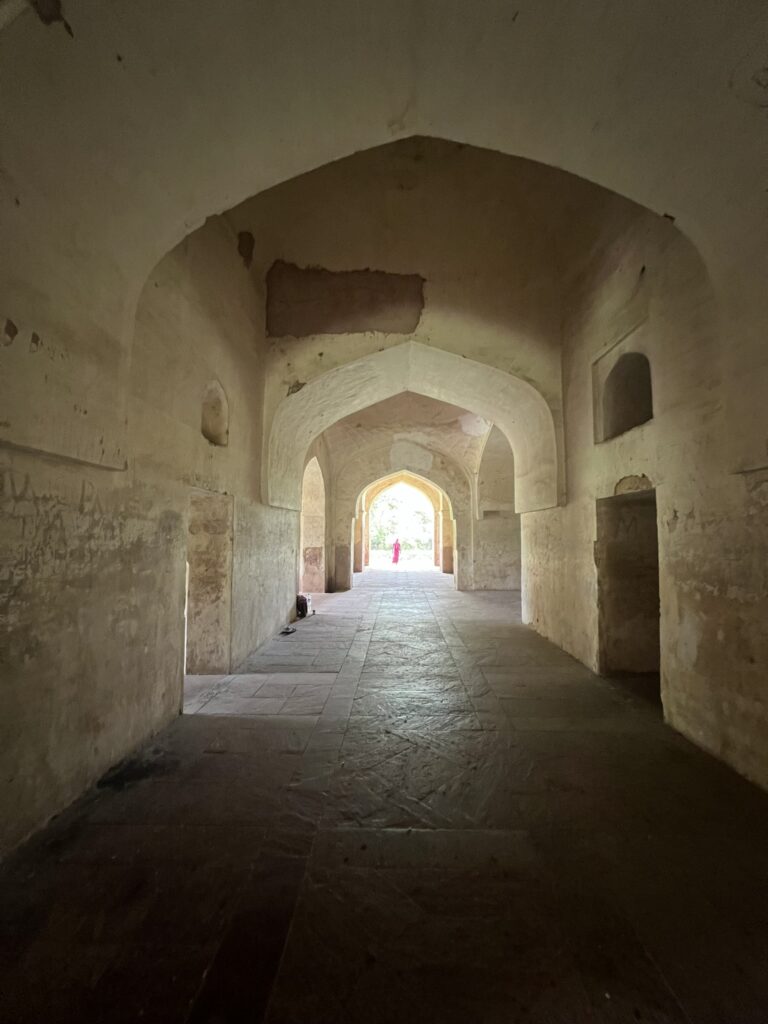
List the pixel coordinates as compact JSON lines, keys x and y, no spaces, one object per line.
{"x":396,"y":552}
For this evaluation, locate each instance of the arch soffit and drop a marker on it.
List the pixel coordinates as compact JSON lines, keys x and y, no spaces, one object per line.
{"x":513,"y":404}
{"x":452,"y":487}
{"x":409,"y":449}
{"x":450,"y":477}
{"x":313,"y":488}
{"x":259,"y":159}
{"x":312,"y":465}
{"x":626,"y":183}
{"x":372,"y":491}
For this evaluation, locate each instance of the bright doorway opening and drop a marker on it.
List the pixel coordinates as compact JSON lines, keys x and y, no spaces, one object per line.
{"x":401,"y":529}
{"x":408,"y":508}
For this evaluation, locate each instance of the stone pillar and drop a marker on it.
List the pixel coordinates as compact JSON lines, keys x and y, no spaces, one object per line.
{"x":366,"y":540}
{"x":342,"y":577}
{"x":359,"y":531}
{"x":463,"y":551}
{"x":447,"y":540}
{"x":343,"y":550}
{"x":209,"y":587}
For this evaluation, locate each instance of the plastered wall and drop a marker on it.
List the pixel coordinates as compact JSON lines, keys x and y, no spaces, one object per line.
{"x":92,"y":588}
{"x":209,"y":585}
{"x":264,"y":581}
{"x":94,"y":558}
{"x":644,"y":289}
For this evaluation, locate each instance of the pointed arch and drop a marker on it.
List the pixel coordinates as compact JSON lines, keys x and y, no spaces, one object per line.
{"x":432,"y":490}
{"x":444,"y":523}
{"x":515,"y":405}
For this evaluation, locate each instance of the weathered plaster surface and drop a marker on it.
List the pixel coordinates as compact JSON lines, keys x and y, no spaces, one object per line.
{"x":446,"y":213}
{"x":94,"y":559}
{"x":305,"y":301}
{"x":209,"y":584}
{"x":264,"y":583}
{"x":712,"y":557}
{"x":92,"y":583}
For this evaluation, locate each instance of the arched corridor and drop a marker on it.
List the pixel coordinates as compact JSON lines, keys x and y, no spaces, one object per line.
{"x":277,"y":745}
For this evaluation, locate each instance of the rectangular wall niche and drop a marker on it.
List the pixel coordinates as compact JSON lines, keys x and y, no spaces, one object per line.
{"x":627,"y":560}
{"x":633,"y":341}
{"x":209,"y":586}
{"x":302,"y":301}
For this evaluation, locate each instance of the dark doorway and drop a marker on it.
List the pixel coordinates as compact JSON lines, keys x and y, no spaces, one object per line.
{"x":627,"y":560}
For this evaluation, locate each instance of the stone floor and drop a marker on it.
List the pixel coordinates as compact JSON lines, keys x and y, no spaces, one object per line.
{"x":413,"y":808}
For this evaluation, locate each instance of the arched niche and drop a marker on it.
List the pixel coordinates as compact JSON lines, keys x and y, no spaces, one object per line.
{"x":496,"y":476}
{"x":312,"y":542}
{"x":214,"y":414}
{"x":516,"y":406}
{"x":627,"y":395}
{"x":497,"y":531}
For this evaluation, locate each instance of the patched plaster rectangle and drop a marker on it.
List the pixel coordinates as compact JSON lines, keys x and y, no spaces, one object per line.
{"x":303,"y":301}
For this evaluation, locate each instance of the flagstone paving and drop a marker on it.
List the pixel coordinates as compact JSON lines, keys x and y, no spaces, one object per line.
{"x":412,"y":808}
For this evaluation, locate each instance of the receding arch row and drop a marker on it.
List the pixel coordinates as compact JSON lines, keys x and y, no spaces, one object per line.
{"x":518,"y":409}
{"x":444,"y":523}
{"x":372,"y":471}
{"x":373,"y":465}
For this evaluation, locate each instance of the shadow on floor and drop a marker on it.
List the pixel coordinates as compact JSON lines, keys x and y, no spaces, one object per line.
{"x":459,"y":823}
{"x":644,"y":687}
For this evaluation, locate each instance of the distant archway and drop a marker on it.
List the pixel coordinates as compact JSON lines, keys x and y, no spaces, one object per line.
{"x":401,"y":524}
{"x":443,"y":545}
